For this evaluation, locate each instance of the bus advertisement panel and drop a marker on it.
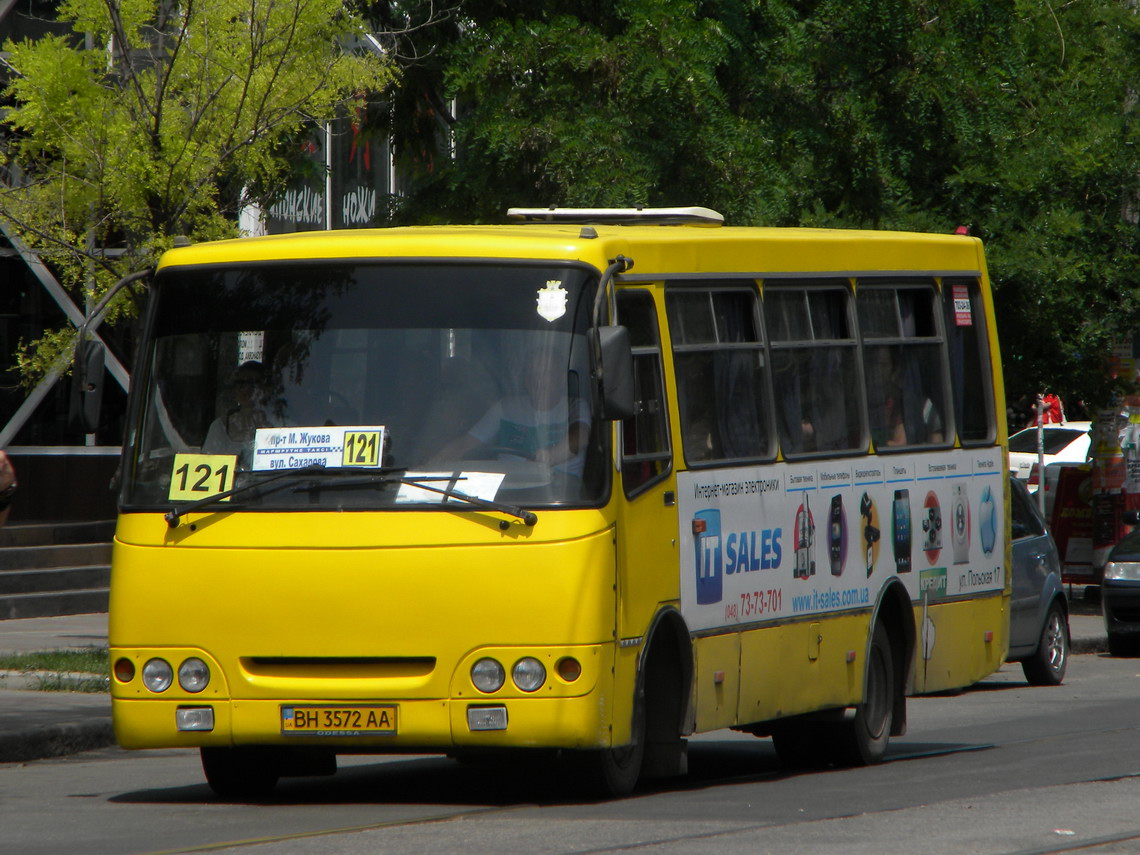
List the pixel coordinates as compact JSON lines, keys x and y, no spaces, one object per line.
{"x":767,"y":543}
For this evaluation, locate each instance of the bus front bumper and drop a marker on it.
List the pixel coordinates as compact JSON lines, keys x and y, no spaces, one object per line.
{"x":427,"y":726}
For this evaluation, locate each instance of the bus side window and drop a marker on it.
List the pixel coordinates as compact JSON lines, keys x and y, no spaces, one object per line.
{"x":968,"y":343}
{"x":646,"y":456}
{"x":815,"y":367}
{"x":904,"y":366}
{"x":722,"y":388}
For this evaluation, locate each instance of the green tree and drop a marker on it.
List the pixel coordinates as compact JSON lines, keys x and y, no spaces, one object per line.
{"x":163,"y":119}
{"x":1062,"y":225}
{"x":1013,"y":117}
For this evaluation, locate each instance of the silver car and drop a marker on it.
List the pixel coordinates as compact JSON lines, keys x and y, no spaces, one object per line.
{"x":1039,"y":610}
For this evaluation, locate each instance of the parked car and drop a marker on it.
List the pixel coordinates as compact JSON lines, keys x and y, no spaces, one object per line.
{"x":1063,"y":443}
{"x":1120,"y":592}
{"x":1039,"y":610}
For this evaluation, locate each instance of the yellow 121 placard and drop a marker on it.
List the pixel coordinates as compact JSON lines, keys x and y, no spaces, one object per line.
{"x":363,"y":448}
{"x":197,"y":476}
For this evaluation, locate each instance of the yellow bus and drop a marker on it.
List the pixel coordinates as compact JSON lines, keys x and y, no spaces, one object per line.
{"x":591,"y":482}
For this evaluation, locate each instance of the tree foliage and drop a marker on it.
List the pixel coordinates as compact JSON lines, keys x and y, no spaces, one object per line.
{"x":1015,"y":117}
{"x":163,"y":119}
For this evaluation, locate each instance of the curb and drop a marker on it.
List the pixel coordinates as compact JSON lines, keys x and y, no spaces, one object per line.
{"x":1078,"y":646}
{"x":59,"y":681}
{"x":56,"y":740}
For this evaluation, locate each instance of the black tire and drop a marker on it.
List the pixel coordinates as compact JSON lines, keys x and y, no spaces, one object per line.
{"x":1047,"y":665}
{"x":862,"y":740}
{"x":1123,"y":645}
{"x":241,"y":774}
{"x":614,"y":772}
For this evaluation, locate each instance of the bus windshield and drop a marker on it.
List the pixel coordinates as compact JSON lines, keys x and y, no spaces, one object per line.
{"x":463,"y":377}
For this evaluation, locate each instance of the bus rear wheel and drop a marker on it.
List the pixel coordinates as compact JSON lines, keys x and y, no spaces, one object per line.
{"x":862,"y":739}
{"x":246,"y":773}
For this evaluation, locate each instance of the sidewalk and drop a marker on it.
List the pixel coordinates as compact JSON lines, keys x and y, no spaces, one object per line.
{"x":35,"y":724}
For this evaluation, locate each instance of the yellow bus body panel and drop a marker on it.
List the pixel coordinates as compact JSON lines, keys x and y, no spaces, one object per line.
{"x":967,"y":640}
{"x":655,"y":249}
{"x":402,"y":623}
{"x":803,"y":666}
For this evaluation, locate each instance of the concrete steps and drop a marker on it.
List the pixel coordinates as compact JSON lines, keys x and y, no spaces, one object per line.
{"x":49,"y":569}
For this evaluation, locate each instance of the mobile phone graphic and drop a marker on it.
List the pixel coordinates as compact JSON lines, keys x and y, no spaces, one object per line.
{"x":836,"y":535}
{"x":804,"y":564}
{"x":871,"y":533}
{"x":901,"y":530}
{"x":960,"y":524}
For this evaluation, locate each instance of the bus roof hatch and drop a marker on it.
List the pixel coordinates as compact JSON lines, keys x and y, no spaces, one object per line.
{"x":692,"y":216}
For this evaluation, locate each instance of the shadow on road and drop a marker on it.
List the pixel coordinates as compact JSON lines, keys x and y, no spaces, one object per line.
{"x":511,"y":782}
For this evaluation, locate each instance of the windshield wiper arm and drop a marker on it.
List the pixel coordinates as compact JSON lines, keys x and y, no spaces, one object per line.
{"x":529,"y":518}
{"x":424,"y":483}
{"x":174,"y":516}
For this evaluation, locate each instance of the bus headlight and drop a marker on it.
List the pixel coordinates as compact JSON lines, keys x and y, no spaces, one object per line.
{"x":157,"y":675}
{"x":1122,"y":571}
{"x":529,"y":674}
{"x":488,"y":675}
{"x":193,"y":675}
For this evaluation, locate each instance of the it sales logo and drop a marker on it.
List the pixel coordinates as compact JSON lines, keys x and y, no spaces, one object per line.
{"x":708,"y":559}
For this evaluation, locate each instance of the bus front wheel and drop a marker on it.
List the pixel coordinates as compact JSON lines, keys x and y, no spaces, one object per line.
{"x":615,"y":772}
{"x":863,"y":738}
{"x":246,"y":773}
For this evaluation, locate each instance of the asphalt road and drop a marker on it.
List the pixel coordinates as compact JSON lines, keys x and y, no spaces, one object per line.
{"x":1002,"y":768}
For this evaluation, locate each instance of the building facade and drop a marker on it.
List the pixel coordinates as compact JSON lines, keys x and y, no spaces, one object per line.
{"x":68,"y":475}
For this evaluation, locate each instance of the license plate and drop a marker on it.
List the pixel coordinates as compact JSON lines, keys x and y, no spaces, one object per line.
{"x":338,"y":720}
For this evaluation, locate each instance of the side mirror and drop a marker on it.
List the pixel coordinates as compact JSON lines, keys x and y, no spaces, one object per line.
{"x":87,"y":385}
{"x":616,"y":353}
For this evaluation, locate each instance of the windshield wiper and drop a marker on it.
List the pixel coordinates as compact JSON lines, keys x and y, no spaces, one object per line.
{"x":529,"y":518}
{"x":174,"y":515}
{"x":334,"y":478}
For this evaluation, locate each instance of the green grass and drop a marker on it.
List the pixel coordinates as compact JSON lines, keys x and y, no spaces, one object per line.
{"x":82,"y":670}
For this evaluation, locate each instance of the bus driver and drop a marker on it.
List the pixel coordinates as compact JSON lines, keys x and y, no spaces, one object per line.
{"x":541,"y":423}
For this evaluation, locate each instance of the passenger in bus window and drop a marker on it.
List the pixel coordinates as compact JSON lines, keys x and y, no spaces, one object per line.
{"x":698,"y":439}
{"x":903,"y":421}
{"x":794,"y":425}
{"x":932,"y":422}
{"x":885,"y":397}
{"x":244,"y":411}
{"x":465,"y":387}
{"x":831,"y":404}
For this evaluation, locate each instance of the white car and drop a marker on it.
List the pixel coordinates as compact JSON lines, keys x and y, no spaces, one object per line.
{"x":1067,"y":442}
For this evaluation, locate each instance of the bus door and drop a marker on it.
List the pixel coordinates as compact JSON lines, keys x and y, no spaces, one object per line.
{"x":647,"y":516}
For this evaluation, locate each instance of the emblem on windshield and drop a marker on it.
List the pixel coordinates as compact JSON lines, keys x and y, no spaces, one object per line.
{"x":552,"y":300}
